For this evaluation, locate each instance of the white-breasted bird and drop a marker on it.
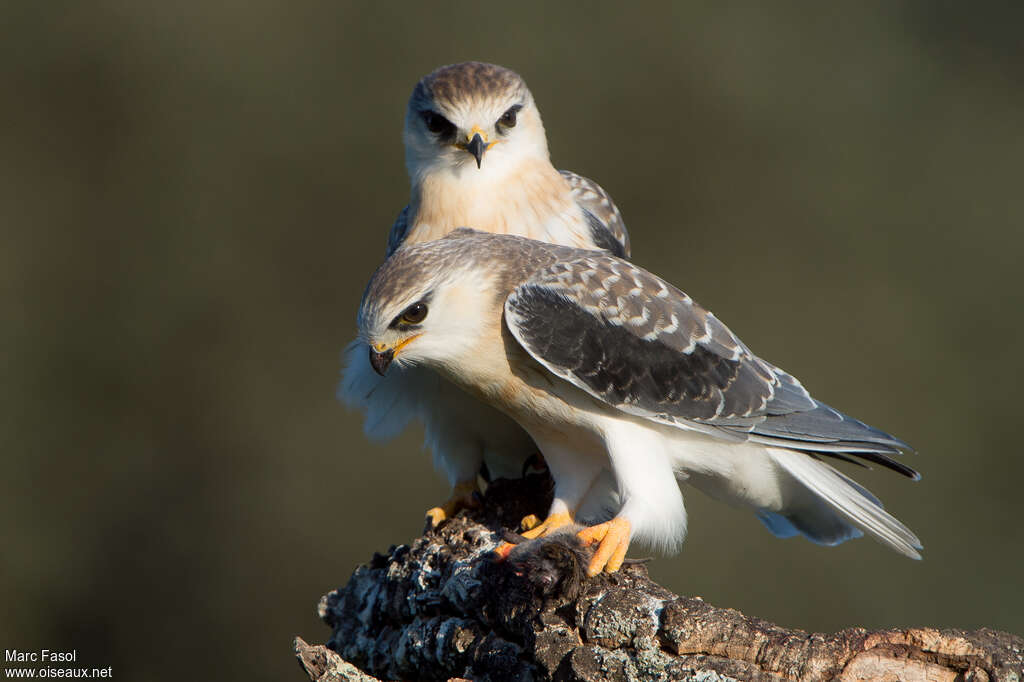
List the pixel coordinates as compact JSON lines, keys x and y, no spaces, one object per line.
{"x":477,"y":156}
{"x":606,"y":366}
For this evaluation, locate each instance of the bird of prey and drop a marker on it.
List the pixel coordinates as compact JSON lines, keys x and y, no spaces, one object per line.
{"x":477,"y":156}
{"x":607,"y":366}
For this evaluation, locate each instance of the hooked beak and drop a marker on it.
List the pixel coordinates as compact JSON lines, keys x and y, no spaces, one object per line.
{"x":381,"y":360}
{"x":381,"y":356}
{"x":476,"y":147}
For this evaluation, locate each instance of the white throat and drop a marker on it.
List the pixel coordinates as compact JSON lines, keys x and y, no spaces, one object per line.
{"x":521,"y":196}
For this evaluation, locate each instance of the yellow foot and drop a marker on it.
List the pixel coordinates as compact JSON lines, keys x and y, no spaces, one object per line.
{"x":613,"y":537}
{"x":503,"y":550}
{"x":463,"y":497}
{"x":529,"y":522}
{"x":546,"y":527}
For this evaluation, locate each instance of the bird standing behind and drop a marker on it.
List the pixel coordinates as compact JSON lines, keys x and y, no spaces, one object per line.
{"x":477,"y":155}
{"x":606,"y":366}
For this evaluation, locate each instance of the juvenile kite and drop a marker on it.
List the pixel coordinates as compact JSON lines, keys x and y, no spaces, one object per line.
{"x":477,"y":156}
{"x":606,"y":366}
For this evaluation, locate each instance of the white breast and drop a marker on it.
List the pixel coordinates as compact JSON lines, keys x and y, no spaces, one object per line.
{"x":533,"y":201}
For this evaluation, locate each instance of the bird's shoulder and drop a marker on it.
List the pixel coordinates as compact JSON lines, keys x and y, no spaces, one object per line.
{"x":604,"y":219}
{"x":398,"y":231}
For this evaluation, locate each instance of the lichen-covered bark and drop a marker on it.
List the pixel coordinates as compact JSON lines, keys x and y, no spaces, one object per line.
{"x":440,"y":609}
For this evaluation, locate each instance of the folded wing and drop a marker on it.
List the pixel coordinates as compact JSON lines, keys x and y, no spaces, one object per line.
{"x":639,"y":344}
{"x":607,"y":229}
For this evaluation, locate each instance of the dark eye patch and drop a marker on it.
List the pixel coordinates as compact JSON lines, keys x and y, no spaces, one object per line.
{"x":438,"y":124}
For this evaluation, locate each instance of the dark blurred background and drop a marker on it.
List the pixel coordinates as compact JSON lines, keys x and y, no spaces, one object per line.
{"x":193,"y":196}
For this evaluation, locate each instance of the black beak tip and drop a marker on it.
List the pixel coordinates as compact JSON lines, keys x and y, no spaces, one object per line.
{"x":476,"y":147}
{"x":381,"y":361}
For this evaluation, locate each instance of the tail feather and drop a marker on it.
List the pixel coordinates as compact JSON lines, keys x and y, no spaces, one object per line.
{"x":827,"y":431}
{"x":843,"y":450}
{"x":819,"y":524}
{"x":779,"y":525}
{"x":848,"y":499}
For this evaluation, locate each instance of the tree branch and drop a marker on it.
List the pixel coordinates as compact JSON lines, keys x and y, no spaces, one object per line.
{"x":441,"y":608}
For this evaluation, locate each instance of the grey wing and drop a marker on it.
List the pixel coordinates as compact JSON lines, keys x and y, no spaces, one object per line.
{"x":607,"y":228}
{"x":398,"y":231}
{"x":642,"y":346}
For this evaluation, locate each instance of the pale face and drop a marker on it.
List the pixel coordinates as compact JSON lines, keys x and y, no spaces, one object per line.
{"x":437,"y":325}
{"x":485,"y":134}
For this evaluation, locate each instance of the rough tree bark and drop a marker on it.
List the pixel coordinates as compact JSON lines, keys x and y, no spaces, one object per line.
{"x":441,"y":609}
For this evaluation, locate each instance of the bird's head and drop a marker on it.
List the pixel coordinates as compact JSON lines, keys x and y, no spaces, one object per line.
{"x":472,"y":118}
{"x":428,"y":304}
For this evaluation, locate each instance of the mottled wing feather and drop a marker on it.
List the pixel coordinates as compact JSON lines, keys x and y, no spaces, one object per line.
{"x":607,"y":228}
{"x":641,"y":345}
{"x":398,"y":231}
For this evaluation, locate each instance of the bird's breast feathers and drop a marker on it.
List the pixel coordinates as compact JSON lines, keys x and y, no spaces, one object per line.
{"x":533,"y":201}
{"x":497,"y":370}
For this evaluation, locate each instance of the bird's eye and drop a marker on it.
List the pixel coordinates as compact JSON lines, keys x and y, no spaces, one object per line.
{"x":508,"y":119}
{"x":436,"y":123}
{"x":415,"y":313}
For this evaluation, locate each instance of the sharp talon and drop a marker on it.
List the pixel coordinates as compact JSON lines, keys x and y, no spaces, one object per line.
{"x":613,"y":541}
{"x":529,"y":522}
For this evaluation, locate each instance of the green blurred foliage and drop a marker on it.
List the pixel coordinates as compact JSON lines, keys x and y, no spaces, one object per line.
{"x":192,"y":197}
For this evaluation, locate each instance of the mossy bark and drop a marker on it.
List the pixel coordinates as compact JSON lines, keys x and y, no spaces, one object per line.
{"x":442,"y":609}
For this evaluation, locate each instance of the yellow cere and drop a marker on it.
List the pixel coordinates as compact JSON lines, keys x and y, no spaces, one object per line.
{"x":405,"y":342}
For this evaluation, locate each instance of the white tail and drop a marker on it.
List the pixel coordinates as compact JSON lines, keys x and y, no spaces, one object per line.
{"x":849,"y":500}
